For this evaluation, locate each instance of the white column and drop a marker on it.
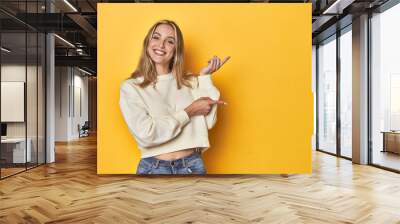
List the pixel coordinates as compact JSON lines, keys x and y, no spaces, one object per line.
{"x":50,"y":93}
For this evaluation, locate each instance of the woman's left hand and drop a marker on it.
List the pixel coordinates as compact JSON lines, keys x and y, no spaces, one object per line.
{"x":213,"y":65}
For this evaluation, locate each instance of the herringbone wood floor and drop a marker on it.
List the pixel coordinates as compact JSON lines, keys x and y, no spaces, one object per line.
{"x":69,"y":191}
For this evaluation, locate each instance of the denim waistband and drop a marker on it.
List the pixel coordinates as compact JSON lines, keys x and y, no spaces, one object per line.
{"x":182,"y":160}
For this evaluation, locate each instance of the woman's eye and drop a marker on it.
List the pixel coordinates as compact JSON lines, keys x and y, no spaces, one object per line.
{"x":155,"y":37}
{"x":171,"y":42}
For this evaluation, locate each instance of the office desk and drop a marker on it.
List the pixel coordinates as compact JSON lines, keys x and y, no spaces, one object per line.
{"x":391,"y":141}
{"x":16,"y":148}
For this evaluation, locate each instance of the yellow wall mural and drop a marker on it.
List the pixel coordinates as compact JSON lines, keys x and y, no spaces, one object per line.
{"x":267,"y":125}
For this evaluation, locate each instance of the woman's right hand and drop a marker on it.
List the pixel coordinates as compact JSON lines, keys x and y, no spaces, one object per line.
{"x":202,"y":106}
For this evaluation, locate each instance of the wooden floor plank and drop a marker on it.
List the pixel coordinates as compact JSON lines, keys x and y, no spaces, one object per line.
{"x":70,"y":191}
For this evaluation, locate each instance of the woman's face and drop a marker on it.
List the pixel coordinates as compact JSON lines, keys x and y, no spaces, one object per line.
{"x":161,"y":46}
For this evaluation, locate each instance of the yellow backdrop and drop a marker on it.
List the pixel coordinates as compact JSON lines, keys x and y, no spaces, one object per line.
{"x":268,"y":122}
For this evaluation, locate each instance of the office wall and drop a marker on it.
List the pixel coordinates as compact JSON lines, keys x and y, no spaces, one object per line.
{"x":15,"y":72}
{"x":33,"y":126}
{"x":81,"y":95}
{"x":71,"y":102}
{"x":62,"y":80}
{"x":267,"y":125}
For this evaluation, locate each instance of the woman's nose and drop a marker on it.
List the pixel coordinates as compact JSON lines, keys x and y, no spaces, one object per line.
{"x":161,"y":44}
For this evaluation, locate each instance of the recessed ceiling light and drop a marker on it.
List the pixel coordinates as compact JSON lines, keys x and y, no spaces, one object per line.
{"x":64,"y":40}
{"x":84,"y":71}
{"x":70,"y":5}
{"x":338,"y":6}
{"x":5,"y":50}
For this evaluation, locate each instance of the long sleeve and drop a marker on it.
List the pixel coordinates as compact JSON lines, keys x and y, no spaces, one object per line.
{"x":206,"y":87}
{"x":148,"y":130}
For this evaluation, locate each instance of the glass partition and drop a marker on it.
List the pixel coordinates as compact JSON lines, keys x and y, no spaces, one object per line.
{"x":327,"y":95}
{"x":32,"y":95}
{"x":13,"y":103}
{"x":22,"y":77}
{"x":41,"y":107}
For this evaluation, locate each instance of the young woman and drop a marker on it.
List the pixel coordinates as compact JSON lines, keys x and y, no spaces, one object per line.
{"x":167,"y":111}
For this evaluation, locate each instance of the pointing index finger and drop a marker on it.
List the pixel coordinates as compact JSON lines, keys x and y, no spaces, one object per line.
{"x":225,"y":60}
{"x":220,"y":102}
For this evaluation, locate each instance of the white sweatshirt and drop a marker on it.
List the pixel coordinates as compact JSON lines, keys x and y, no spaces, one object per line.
{"x":156,"y":117}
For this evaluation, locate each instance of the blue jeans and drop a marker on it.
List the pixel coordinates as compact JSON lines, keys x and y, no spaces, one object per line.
{"x":191,"y":164}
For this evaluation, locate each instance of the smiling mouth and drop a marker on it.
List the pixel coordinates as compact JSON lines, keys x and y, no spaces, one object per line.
{"x":159,"y":52}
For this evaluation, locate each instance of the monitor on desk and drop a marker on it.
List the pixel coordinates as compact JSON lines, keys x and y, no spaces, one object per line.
{"x":3,"y":130}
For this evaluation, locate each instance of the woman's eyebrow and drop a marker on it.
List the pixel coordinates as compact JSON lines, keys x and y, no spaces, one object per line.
{"x":173,"y":38}
{"x":167,"y":37}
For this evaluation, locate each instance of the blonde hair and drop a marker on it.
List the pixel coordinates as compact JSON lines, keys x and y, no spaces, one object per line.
{"x":146,"y":67}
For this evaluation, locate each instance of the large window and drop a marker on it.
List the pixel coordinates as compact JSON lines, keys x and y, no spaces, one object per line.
{"x":385,"y":88}
{"x":334,"y":60}
{"x":327,"y":95}
{"x":346,"y":93}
